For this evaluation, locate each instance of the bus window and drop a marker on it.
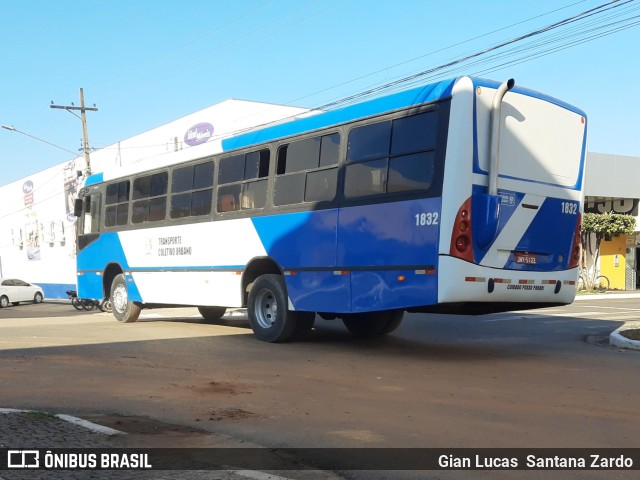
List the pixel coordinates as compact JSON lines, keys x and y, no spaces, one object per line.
{"x":301,"y":155}
{"x":150,"y":195}
{"x":289,"y":189}
{"x":254,"y":195}
{"x":231,"y":169}
{"x":369,"y":142}
{"x":321,"y":185}
{"x":302,"y":170}
{"x":203,"y":175}
{"x":243,"y":188}
{"x":256,"y":165}
{"x":229,"y":198}
{"x":117,"y":201}
{"x":330,"y":150}
{"x":196,"y":182}
{"x":182,"y":179}
{"x":91,"y":214}
{"x":366,"y":178}
{"x":416,"y":133}
{"x":411,"y":172}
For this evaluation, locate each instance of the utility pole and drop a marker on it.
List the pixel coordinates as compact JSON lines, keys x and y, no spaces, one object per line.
{"x":83,"y":118}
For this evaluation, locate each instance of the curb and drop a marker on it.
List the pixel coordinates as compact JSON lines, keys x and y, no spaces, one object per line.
{"x":620,"y":341}
{"x":74,"y":420}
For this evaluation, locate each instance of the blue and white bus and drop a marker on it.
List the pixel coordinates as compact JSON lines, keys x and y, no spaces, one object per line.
{"x":463,"y":196}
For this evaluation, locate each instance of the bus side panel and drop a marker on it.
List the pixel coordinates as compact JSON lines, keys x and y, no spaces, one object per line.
{"x":379,"y":243}
{"x":304,"y":245}
{"x":319,"y":291}
{"x":301,"y":239}
{"x":390,"y":289}
{"x":91,"y":265}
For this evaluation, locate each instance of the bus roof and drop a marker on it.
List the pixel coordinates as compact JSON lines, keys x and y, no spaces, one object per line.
{"x":403,"y":99}
{"x":406,"y":98}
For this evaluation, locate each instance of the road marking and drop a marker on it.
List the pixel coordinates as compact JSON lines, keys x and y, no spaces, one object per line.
{"x":89,"y":425}
{"x":71,"y":419}
{"x":610,"y":308}
{"x":258,"y":475}
{"x":622,"y":313}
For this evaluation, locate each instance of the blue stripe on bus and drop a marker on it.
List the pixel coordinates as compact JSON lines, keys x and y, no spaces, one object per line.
{"x":300,"y":239}
{"x":416,"y":96}
{"x":94,"y":179}
{"x":109,"y":246}
{"x":543,"y":234}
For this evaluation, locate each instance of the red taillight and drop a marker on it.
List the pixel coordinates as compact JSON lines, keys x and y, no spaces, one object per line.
{"x":574,"y":260}
{"x":461,"y":238}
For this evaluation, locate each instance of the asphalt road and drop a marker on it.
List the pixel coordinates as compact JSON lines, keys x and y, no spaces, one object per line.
{"x":543,"y":378}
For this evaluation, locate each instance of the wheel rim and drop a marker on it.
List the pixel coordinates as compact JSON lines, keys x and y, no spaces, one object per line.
{"x":119,"y":298}
{"x":266,"y":308}
{"x":4,"y":302}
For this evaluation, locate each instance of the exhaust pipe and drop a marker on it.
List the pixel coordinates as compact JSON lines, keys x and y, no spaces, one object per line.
{"x":495,"y":116}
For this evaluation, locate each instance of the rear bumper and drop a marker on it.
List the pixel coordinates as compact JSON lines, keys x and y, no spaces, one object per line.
{"x":460,"y":281}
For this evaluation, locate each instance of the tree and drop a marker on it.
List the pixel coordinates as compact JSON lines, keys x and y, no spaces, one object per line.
{"x":598,"y":226}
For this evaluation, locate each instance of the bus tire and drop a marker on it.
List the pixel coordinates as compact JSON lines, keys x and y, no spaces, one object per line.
{"x":394,"y":319}
{"x":269,"y":316}
{"x":373,"y":324}
{"x":124,"y":309}
{"x":212,"y":314}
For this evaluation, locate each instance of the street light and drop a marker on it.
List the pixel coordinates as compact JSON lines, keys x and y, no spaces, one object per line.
{"x":11,"y":128}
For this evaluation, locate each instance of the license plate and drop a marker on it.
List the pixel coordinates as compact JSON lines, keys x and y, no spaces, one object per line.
{"x":526,"y":258}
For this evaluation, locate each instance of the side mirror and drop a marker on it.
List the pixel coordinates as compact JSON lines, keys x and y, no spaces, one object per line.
{"x":77,"y":207}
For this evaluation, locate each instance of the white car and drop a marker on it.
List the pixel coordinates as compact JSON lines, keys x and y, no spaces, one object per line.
{"x":15,"y":291}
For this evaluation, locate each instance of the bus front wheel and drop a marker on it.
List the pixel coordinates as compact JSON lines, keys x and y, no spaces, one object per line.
{"x":372,"y":324}
{"x":124,"y":309}
{"x":269,"y":315}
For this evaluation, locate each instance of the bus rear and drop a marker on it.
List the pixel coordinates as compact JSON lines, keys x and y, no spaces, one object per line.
{"x":512,"y":194}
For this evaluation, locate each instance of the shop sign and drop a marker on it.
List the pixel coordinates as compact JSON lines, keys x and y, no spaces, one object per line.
{"x":627,"y":206}
{"x":27,"y":189}
{"x":198,"y":134}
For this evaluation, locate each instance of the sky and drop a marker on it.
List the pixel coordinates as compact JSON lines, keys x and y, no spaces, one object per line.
{"x":145,"y":63}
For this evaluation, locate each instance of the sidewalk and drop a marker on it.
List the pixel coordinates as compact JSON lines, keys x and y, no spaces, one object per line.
{"x":616,"y":338}
{"x":608,"y":295}
{"x":24,"y":430}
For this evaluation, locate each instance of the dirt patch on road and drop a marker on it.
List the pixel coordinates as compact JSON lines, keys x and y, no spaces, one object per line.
{"x":221,"y":388}
{"x":233,"y":414}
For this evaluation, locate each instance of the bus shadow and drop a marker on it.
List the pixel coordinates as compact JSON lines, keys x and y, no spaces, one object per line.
{"x":459,"y":338}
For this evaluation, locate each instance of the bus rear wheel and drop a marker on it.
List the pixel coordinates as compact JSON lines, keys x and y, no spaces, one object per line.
{"x":373,"y":324}
{"x":269,"y":315}
{"x":212,"y":314}
{"x":124,"y":309}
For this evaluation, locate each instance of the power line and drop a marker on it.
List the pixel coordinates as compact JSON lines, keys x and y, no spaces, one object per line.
{"x":420,"y":75}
